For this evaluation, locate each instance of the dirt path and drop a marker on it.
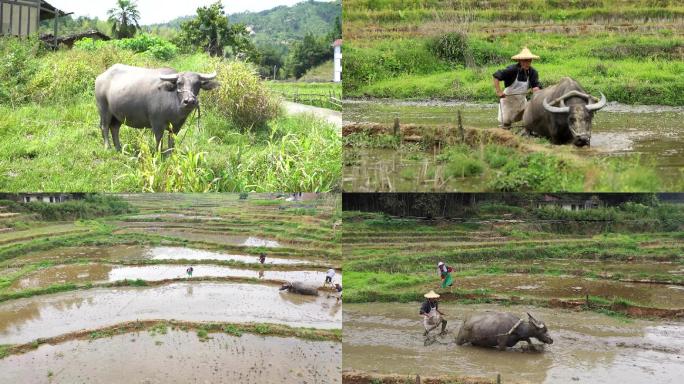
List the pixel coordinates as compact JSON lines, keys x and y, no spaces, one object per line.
{"x":333,"y":117}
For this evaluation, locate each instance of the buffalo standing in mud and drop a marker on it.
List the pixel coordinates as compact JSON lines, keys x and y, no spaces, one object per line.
{"x":300,"y":288}
{"x":161,"y":99}
{"x":497,"y":329}
{"x":562,"y":113}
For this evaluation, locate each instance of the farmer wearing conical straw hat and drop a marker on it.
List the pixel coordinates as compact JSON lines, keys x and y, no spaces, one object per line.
{"x":518,"y":79}
{"x":432,"y":316}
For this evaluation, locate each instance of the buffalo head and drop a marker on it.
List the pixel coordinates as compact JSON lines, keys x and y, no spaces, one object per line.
{"x":187,"y":85}
{"x":538,"y":330}
{"x":285,"y":286}
{"x":578,"y":114}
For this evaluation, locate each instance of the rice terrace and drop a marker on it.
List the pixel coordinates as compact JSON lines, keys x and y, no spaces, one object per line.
{"x":421,"y":109}
{"x":153,"y":282}
{"x":607,"y":281}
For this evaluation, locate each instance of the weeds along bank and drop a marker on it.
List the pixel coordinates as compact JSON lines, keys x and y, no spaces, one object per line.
{"x":631,"y":51}
{"x":50,"y":137}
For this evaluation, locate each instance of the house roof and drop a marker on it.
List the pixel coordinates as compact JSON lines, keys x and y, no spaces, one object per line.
{"x":47,"y":11}
{"x":337,"y":43}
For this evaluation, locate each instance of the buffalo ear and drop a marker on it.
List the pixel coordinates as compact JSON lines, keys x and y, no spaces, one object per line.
{"x":168,"y":86}
{"x":210,"y":84}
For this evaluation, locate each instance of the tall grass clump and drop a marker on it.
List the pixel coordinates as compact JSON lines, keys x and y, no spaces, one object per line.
{"x":17,"y":67}
{"x":242,"y":97}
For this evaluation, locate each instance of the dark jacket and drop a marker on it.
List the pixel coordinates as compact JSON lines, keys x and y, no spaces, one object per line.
{"x":426,"y":307}
{"x":508,"y":75}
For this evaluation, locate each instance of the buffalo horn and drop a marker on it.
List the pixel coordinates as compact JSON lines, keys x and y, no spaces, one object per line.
{"x":596,"y":106}
{"x":172,"y":77}
{"x":533,"y":319}
{"x":207,"y":77}
{"x":555,"y":109}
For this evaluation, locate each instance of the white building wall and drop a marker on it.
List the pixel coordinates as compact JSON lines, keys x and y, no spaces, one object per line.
{"x":337,"y":71}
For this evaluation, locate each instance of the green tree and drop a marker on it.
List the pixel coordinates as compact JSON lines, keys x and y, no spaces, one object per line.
{"x":211,"y":32}
{"x":124,"y":19}
{"x":308,"y":53}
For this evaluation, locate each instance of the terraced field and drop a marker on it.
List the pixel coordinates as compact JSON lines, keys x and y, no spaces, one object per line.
{"x":610,"y":291}
{"x":79,"y":293}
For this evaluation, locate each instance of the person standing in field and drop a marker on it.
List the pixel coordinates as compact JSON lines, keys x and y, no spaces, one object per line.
{"x":329,"y":277}
{"x":432,"y":316}
{"x":262,"y":258}
{"x":518,"y":80}
{"x":445,"y":274}
{"x":189,"y":271}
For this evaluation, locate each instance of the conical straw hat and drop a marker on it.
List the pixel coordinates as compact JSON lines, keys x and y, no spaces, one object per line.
{"x":431,"y":295}
{"x":525,"y":54}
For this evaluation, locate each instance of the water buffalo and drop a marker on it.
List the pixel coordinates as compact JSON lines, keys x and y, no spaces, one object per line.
{"x":160,"y":99}
{"x":300,"y":288}
{"x":497,"y":329}
{"x":562,"y":113}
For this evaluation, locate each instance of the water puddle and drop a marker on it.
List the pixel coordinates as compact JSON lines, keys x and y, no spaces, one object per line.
{"x":179,"y":357}
{"x":24,"y":320}
{"x":97,"y":273}
{"x":208,"y":236}
{"x":178,"y":253}
{"x":588,"y":347}
{"x":136,"y":252}
{"x":654,"y":132}
{"x":535,"y":285}
{"x":181,"y":216}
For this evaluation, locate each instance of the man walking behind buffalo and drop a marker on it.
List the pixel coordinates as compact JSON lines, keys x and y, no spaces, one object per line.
{"x":432,"y":317}
{"x":518,"y":79}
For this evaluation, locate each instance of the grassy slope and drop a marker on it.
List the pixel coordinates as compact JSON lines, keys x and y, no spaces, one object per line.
{"x":389,"y":56}
{"x":54,"y":143}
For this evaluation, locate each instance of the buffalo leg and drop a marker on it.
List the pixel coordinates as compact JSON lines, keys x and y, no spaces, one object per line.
{"x":105,"y":120}
{"x":158,"y":136}
{"x":116,"y":124}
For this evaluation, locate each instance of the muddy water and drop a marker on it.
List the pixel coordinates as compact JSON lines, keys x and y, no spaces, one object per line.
{"x":178,"y":253}
{"x":178,"y":357}
{"x":136,"y":252}
{"x":83,"y":273}
{"x":654,"y":132}
{"x":651,"y":295}
{"x":588,"y":347}
{"x":50,"y":315}
{"x":212,"y":237}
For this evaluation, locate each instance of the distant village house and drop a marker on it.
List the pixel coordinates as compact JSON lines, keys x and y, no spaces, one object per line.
{"x":574,"y":203}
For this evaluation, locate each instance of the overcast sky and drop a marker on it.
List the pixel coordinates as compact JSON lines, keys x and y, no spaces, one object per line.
{"x":160,"y":11}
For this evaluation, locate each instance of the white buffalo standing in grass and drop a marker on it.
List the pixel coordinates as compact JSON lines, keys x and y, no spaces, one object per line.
{"x":160,"y":99}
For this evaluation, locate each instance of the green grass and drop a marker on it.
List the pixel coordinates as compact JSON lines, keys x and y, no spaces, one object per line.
{"x":317,"y":94}
{"x":402,"y":49}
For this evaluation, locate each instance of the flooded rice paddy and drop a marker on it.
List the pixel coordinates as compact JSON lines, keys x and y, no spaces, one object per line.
{"x":588,"y":347}
{"x":100,"y":273}
{"x":24,"y":320}
{"x":653,"y":132}
{"x":541,"y":286}
{"x":178,"y":357}
{"x":136,"y":252}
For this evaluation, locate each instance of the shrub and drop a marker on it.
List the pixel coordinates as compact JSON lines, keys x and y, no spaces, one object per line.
{"x":452,"y":47}
{"x":155,"y":46}
{"x":242,"y":97}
